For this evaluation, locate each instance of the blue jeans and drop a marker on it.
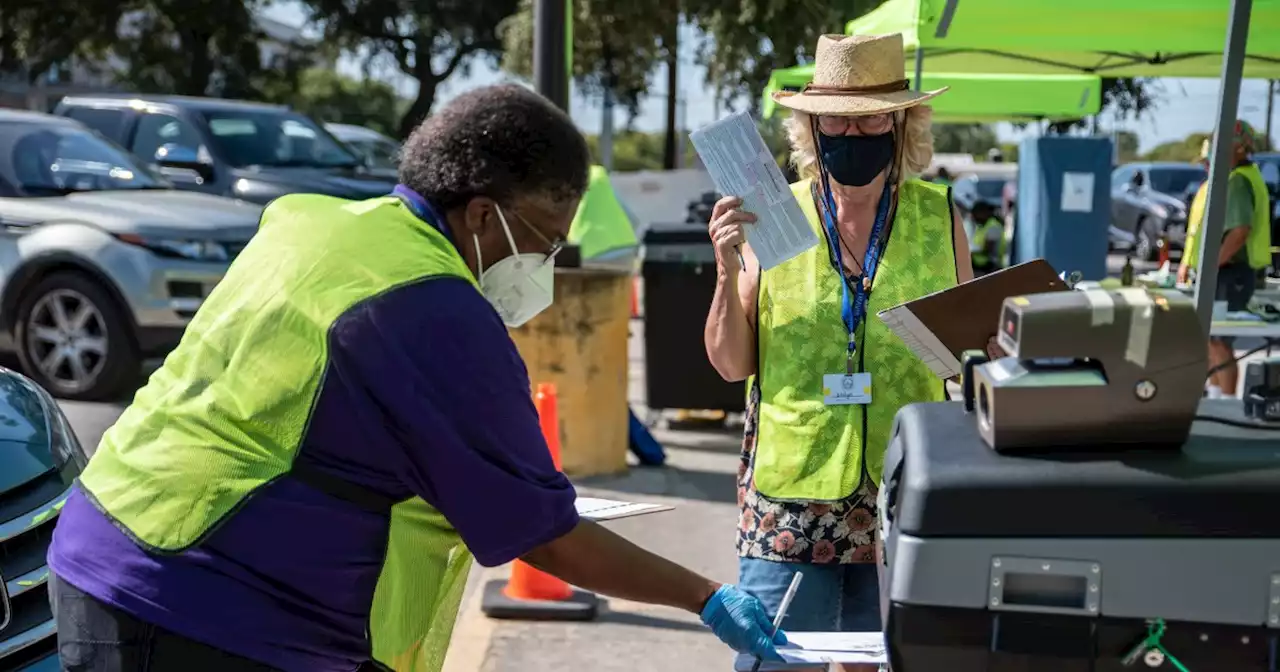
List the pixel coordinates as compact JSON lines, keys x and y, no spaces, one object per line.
{"x":831,"y":598}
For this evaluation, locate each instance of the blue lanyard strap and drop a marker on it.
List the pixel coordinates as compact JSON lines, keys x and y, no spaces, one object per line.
{"x":854,"y":309}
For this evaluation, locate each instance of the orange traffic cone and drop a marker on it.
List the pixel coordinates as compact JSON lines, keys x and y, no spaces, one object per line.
{"x":635,"y":298}
{"x":530,"y":593}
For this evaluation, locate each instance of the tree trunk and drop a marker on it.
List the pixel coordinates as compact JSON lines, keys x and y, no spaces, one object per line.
{"x":193,"y":80}
{"x":420,"y":108}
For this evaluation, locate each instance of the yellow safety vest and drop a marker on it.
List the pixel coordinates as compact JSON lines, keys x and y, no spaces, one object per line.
{"x":1258,"y":244}
{"x":810,"y":451}
{"x":209,"y":428}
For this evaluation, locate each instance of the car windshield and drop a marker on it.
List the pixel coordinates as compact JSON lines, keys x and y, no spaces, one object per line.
{"x":274,"y":138}
{"x":60,"y":159}
{"x":1175,"y":181}
{"x":377,"y":152}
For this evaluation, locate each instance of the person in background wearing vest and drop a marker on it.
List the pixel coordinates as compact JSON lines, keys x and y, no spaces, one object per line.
{"x":826,"y":376}
{"x":986,"y":238}
{"x":944,"y":177}
{"x":1246,"y":245}
{"x":346,"y":422}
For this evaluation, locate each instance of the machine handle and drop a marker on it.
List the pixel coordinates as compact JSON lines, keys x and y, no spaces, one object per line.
{"x":970,"y":359}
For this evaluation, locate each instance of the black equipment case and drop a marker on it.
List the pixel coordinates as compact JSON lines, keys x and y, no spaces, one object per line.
{"x":1066,"y":561}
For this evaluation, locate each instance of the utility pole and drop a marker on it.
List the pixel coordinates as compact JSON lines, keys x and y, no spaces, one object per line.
{"x":551,"y":49}
{"x":1271,"y":99}
{"x":671,"y":145}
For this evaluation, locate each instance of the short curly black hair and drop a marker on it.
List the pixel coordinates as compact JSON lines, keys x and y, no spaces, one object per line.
{"x":496,"y":141}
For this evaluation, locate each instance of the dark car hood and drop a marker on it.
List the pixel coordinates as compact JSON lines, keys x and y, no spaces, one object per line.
{"x":24,"y":433}
{"x":349,"y":183}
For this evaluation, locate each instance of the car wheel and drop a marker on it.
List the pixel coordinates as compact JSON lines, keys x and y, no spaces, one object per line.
{"x":1144,"y":244}
{"x":74,"y":339}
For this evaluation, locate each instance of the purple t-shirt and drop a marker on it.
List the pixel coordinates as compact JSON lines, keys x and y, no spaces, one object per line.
{"x":424,"y":394}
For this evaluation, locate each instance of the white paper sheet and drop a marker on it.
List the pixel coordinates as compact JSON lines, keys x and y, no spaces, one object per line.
{"x":741,"y":165}
{"x":1077,"y":192}
{"x":808,"y":648}
{"x":923,"y":342}
{"x":592,"y":508}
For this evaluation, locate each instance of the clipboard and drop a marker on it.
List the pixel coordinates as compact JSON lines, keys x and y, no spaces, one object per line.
{"x":939,"y":327}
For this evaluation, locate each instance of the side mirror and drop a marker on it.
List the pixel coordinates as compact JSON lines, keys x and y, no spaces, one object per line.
{"x":173,"y":155}
{"x":183,"y":159}
{"x":177,"y":156}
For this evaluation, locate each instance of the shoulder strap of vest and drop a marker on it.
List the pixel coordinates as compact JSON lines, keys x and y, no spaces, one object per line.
{"x":341,"y":488}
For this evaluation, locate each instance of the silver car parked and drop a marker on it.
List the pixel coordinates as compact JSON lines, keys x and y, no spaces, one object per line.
{"x":102,"y":262}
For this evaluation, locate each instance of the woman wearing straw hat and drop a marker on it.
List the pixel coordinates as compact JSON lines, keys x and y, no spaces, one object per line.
{"x":827,"y":377}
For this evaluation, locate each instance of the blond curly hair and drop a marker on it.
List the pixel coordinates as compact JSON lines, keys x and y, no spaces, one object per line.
{"x":917,"y":150}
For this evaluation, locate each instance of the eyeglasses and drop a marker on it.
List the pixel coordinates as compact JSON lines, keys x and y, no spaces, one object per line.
{"x":553,"y":246}
{"x":874,"y":124}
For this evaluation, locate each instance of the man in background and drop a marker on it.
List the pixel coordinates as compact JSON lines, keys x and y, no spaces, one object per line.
{"x":986,"y":238}
{"x":1246,"y":245}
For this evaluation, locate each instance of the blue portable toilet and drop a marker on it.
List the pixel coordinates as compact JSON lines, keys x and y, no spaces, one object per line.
{"x":1064,"y":204}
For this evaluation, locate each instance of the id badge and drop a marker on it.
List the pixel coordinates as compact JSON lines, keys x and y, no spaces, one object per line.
{"x":842,"y":389}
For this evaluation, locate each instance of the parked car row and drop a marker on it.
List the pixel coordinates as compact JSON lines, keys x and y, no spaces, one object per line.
{"x":119,"y":214}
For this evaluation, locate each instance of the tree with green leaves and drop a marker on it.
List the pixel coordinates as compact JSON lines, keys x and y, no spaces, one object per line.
{"x":209,"y":48}
{"x":37,"y":36}
{"x":974,"y":139}
{"x":428,"y":40}
{"x":615,"y":48}
{"x":326,"y":96}
{"x":748,"y":39}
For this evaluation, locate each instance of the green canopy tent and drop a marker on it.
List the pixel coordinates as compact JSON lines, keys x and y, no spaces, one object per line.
{"x":1114,"y":38}
{"x":1111,"y":38}
{"x":980,"y":98}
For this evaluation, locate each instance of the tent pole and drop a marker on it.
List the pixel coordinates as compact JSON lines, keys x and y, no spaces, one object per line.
{"x":919,"y":68}
{"x":1220,"y":169}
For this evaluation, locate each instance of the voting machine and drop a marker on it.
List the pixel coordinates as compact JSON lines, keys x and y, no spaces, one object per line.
{"x":1091,"y":552}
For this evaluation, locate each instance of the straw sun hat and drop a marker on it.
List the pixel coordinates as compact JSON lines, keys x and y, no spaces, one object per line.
{"x":856,"y":75}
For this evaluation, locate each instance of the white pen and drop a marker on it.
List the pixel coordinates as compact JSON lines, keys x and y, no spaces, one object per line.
{"x":782,"y":613}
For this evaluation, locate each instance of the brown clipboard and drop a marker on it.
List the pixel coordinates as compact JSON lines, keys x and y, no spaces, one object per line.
{"x":940,"y":326}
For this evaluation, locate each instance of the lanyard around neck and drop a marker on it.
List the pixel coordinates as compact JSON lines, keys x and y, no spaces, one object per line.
{"x":854,"y":308}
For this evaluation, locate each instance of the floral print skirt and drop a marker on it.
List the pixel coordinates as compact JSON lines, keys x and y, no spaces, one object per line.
{"x":817,"y":533}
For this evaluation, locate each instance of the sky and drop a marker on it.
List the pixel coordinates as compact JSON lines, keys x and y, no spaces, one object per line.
{"x":1185,"y":105}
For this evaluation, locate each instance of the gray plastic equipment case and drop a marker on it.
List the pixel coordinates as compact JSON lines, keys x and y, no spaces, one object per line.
{"x":1060,"y":561}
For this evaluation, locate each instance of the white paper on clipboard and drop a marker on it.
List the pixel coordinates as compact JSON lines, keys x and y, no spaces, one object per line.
{"x":740,"y":165}
{"x":593,"y":508}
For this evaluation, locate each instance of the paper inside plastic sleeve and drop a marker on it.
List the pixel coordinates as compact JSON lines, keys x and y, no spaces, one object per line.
{"x":741,"y":165}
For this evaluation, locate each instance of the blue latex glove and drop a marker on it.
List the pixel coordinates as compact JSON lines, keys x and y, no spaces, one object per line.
{"x":740,"y":621}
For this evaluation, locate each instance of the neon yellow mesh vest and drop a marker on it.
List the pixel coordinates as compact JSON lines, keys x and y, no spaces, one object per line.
{"x":227,"y":411}
{"x":1258,"y":244}
{"x":806,"y":450}
{"x":980,"y":258}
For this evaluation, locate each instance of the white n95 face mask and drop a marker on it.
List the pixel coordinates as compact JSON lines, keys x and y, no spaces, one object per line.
{"x":519,"y":286}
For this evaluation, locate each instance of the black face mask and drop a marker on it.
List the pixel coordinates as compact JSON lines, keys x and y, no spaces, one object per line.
{"x":855,"y":160}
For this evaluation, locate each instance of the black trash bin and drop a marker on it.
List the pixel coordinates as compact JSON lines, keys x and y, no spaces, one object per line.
{"x":679,"y":272}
